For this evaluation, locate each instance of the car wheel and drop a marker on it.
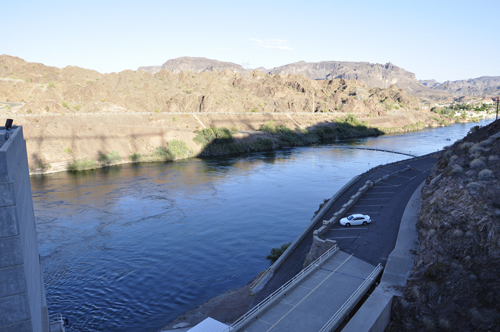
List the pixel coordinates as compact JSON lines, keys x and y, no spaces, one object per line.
{"x":347,"y":224}
{"x":364,"y":223}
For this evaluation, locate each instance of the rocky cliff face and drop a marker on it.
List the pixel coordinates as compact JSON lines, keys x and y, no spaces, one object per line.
{"x":198,"y":65}
{"x":485,"y":85}
{"x":454,"y":284}
{"x":369,"y":74}
{"x":376,"y":75}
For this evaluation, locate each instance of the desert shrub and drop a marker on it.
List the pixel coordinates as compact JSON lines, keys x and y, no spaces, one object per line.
{"x":268,"y":127}
{"x":65,"y":104}
{"x":135,"y":157}
{"x":277,"y":252}
{"x":456,"y":169}
{"x":209,"y":135}
{"x":485,"y":174}
{"x":111,"y":158}
{"x":477,"y":163}
{"x":51,"y":84}
{"x":175,"y":149}
{"x":465,"y":145}
{"x":234,"y":130}
{"x":82,"y":165}
{"x":68,"y":150}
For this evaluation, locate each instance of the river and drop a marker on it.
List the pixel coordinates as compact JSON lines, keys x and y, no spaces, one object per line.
{"x":131,"y":247}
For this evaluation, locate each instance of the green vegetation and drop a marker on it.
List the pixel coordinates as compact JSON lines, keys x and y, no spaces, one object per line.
{"x":51,"y":84}
{"x":41,"y":166}
{"x":135,"y":157}
{"x":82,"y":165}
{"x":175,"y":149}
{"x":219,"y":141}
{"x":65,"y":104}
{"x":68,"y":150}
{"x":277,"y":252}
{"x":111,"y":158}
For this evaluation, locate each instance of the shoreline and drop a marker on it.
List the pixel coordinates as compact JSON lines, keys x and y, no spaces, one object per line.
{"x":248,"y":141}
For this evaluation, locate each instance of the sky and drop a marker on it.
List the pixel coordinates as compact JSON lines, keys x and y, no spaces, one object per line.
{"x":439,"y":39}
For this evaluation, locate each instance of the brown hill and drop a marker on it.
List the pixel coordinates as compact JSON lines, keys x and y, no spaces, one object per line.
{"x":74,"y":113}
{"x":372,"y":75}
{"x":73,"y":89}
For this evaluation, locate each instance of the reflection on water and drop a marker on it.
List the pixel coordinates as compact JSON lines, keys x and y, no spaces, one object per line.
{"x":129,"y":248}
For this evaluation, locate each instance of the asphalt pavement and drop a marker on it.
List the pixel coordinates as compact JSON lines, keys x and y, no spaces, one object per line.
{"x":384,"y":203}
{"x":374,"y":242}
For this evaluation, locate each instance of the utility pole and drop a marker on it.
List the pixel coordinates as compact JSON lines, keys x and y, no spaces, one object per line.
{"x":497,"y":99}
{"x":313,"y":103}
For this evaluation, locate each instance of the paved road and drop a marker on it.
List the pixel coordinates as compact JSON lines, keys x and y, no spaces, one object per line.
{"x":294,"y":262}
{"x":385,"y":203}
{"x":310,"y":305}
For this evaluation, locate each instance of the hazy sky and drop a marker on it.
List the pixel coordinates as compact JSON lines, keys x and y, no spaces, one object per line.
{"x":439,"y":39}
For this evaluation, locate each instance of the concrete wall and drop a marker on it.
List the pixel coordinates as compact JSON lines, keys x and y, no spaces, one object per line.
{"x":23,"y":304}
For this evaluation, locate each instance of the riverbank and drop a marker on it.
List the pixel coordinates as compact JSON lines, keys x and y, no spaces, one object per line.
{"x":59,"y":142}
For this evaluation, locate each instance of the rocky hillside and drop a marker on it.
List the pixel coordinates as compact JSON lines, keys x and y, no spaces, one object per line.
{"x":369,"y":74}
{"x":76,"y":90}
{"x":481,"y":86}
{"x":79,"y":114}
{"x":454,"y":284}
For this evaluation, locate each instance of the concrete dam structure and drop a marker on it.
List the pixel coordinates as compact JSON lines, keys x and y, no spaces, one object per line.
{"x":23,"y":306}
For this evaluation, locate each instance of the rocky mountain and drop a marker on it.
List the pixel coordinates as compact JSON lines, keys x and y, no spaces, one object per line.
{"x":45,"y":89}
{"x":369,"y":74}
{"x":454,"y":285}
{"x":198,"y":65}
{"x":481,"y":86}
{"x":429,"y":83}
{"x":375,"y":75}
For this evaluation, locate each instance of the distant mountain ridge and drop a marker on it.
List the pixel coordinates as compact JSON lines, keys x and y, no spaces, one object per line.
{"x":373,"y":75}
{"x":484,"y":85}
{"x":370,"y":74}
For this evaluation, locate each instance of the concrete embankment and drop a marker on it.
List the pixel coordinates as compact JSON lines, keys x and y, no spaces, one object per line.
{"x":54,"y":140}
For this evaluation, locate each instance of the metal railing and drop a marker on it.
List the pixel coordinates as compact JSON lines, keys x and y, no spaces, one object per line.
{"x":262,"y":276}
{"x":334,"y":322}
{"x":283,"y":288}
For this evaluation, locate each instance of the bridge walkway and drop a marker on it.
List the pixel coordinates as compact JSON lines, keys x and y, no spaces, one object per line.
{"x":313,"y":302}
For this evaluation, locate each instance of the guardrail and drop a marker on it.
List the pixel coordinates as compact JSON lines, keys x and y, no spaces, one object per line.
{"x":336,"y":319}
{"x":280,"y":290}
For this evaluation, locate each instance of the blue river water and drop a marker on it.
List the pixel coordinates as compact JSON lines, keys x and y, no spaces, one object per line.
{"x":131,"y":247}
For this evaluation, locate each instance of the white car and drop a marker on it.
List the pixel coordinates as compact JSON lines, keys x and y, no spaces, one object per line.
{"x":355,"y":219}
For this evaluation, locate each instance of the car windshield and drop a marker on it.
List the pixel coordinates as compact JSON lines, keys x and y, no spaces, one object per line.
{"x":350,"y":218}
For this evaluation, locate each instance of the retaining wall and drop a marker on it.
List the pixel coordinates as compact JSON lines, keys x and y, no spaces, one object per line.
{"x":23,"y":305}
